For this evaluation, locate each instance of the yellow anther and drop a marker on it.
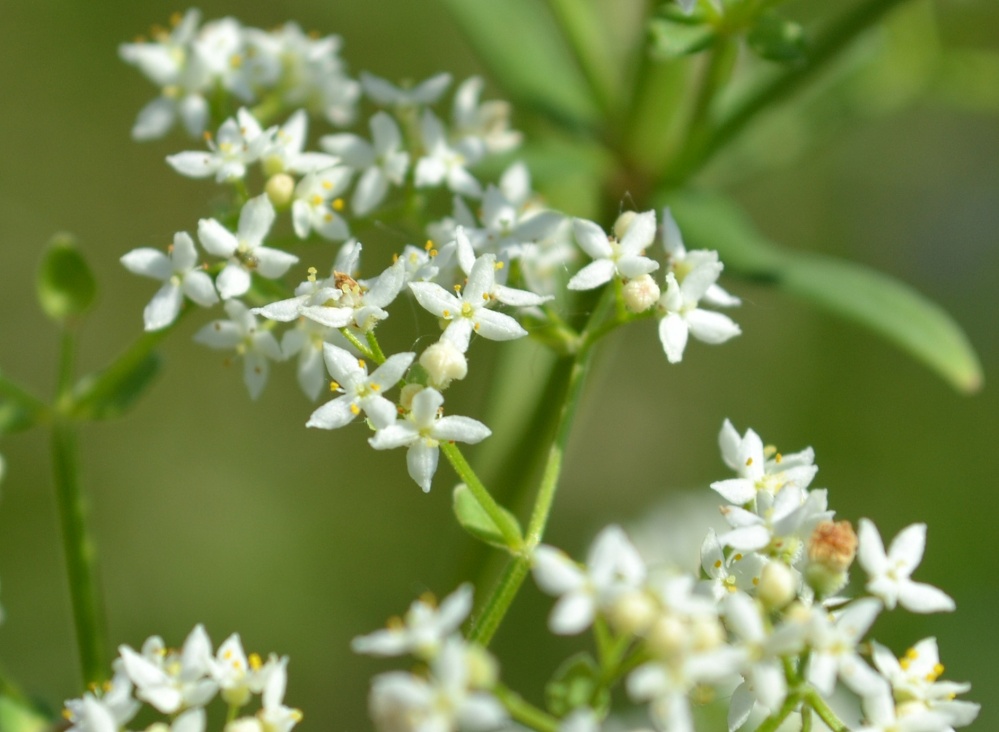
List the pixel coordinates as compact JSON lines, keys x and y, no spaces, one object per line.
{"x":207,"y":136}
{"x":235,"y":61}
{"x":756,"y":581}
{"x":326,"y":184}
{"x":296,"y":714}
{"x":476,"y":327}
{"x":66,"y":714}
{"x":338,"y":204}
{"x":432,"y":252}
{"x":457,"y":289}
{"x":375,"y":387}
{"x":737,"y":557}
{"x":256,"y":663}
{"x":312,"y":274}
{"x":718,"y":564}
{"x":361,"y":363}
{"x":395,"y":258}
{"x":500,"y":265}
{"x":749,"y":461}
{"x":354,"y":409}
{"x":485,"y":296}
{"x":328,"y":217}
{"x":334,"y":386}
{"x":937,"y":672}
{"x":429,"y":245}
{"x":227,"y":655}
{"x":428,"y":598}
{"x":395,"y":623}
{"x":316,"y":199}
{"x":446,"y":314}
{"x":904,"y":663}
{"x":777,"y":458}
{"x":175,"y":18}
{"x":912,"y":654}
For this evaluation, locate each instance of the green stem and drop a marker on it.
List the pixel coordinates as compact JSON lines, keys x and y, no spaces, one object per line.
{"x":775,"y":720}
{"x":523,"y":711}
{"x":488,"y":621}
{"x":78,"y":546}
{"x":714,"y":76}
{"x":826,"y":714}
{"x":826,"y":47}
{"x":376,"y":348}
{"x":511,"y":534}
{"x":356,"y":343}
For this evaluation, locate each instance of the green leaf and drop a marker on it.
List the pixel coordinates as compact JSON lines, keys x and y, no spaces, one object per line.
{"x":576,"y":684}
{"x":777,"y":39}
{"x":111,"y":392}
{"x":671,"y":39}
{"x":476,"y":521}
{"x":521,"y":47}
{"x":15,"y":716}
{"x":66,"y":286}
{"x":852,"y":291}
{"x":19,"y":410}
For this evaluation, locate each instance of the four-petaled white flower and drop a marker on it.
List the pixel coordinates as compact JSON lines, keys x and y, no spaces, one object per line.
{"x":834,"y":648}
{"x":889,"y":572}
{"x":613,"y":568}
{"x":360,"y":392}
{"x":422,"y":631}
{"x":384,"y":92}
{"x":611,"y":255}
{"x":244,"y":248}
{"x":681,"y":262}
{"x":239,"y":142}
{"x":316,"y":204}
{"x":444,"y":162}
{"x":180,"y":275}
{"x":423,"y":430}
{"x":759,"y":468}
{"x":168,"y":680}
{"x":382,"y":161}
{"x":499,"y":292}
{"x":469,"y":312}
{"x":681,"y":315}
{"x":241,"y":333}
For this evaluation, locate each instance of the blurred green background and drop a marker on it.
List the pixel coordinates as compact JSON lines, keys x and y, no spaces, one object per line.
{"x":209,"y":508}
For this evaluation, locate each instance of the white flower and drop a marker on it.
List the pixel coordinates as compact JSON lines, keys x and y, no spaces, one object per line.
{"x":486,"y":121}
{"x":443,"y":162}
{"x":285,"y":151}
{"x":180,"y":274}
{"x":106,"y":710}
{"x":382,"y":161}
{"x":388,"y":94}
{"x":500,"y":293}
{"x":779,"y":524}
{"x":169,"y":680}
{"x":238,"y":677}
{"x":834,"y":648}
{"x":889,"y":573}
{"x":759,"y":468}
{"x":239,"y":142}
{"x":681,"y":262}
{"x":257,"y":347}
{"x":312,"y":208}
{"x":726,"y":575}
{"x":612,"y":256}
{"x":360,"y":392}
{"x":422,"y":430}
{"x":306,"y":339}
{"x":244,"y":248}
{"x":470,"y":312}
{"x":423,"y":629}
{"x":447,"y":701}
{"x":274,"y":715}
{"x":882,"y":715}
{"x":913,"y":679}
{"x":681,"y":315}
{"x":613,"y":568}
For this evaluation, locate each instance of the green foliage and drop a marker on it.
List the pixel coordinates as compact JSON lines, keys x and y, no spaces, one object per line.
{"x":66,"y":286}
{"x":111,"y":392}
{"x":777,"y":39}
{"x":576,"y":683}
{"x":16,"y":716}
{"x":852,"y":291}
{"x":671,"y":38}
{"x":474,"y":519}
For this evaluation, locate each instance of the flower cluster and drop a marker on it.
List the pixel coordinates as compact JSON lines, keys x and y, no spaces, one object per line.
{"x":763,"y":616}
{"x":180,"y":684}
{"x":453,"y":687}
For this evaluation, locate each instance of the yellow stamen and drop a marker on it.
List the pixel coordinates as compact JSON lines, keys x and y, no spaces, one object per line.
{"x":429,"y":245}
{"x":338,"y":204}
{"x":354,"y":409}
{"x":256,"y":663}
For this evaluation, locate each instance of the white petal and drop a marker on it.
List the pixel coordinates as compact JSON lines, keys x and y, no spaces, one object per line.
{"x":906,"y":550}
{"x":148,"y":263}
{"x":155,"y":119}
{"x":369,"y":192}
{"x":232,"y":281}
{"x":497,"y":326}
{"x":162,"y":310}
{"x":593,"y":275}
{"x":193,"y":164}
{"x":395,"y":435}
{"x":216,"y":239}
{"x":922,"y":598}
{"x":255,"y":220}
{"x":333,"y":414}
{"x":673,"y":336}
{"x":421,"y":461}
{"x":572,"y":614}
{"x":460,"y":429}
{"x":273,"y":263}
{"x":198,"y":286}
{"x":711,"y":327}
{"x":591,"y":238}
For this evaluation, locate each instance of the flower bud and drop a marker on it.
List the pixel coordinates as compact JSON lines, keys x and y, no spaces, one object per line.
{"x":407,"y":393}
{"x":244,"y":724}
{"x":706,"y":633}
{"x":632,"y":613}
{"x":641,"y":293}
{"x":668,"y":635}
{"x":831,"y":549}
{"x":778,"y":585}
{"x":483,"y":671}
{"x":280,"y":188}
{"x":444,"y":363}
{"x":623,"y":223}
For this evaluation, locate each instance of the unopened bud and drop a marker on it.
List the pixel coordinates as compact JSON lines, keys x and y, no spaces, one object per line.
{"x":623,"y":223}
{"x":244,"y":724}
{"x":778,"y":585}
{"x":444,"y":363}
{"x":483,"y":671}
{"x":706,"y":633}
{"x":407,"y":393}
{"x":632,"y":613}
{"x":280,"y":188}
{"x":641,"y":293}
{"x":668,"y":635}
{"x":831,"y":549}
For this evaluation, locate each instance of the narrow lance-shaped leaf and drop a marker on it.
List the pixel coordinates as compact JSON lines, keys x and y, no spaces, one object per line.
{"x":66,"y":286}
{"x":885,"y":305}
{"x":474,"y":519}
{"x":519,"y":44}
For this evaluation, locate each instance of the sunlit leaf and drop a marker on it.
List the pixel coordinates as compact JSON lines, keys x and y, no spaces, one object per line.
{"x":576,"y":684}
{"x":16,"y":716}
{"x":66,"y":286}
{"x":875,"y":300}
{"x":476,"y":521}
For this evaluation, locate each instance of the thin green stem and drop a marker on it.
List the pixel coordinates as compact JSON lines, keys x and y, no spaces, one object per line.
{"x":487,"y":621}
{"x":825,"y":712}
{"x":775,"y":720}
{"x":523,"y":711}
{"x":825,"y":48}
{"x":511,"y":534}
{"x":356,"y":343}
{"x":715,"y":75}
{"x":376,"y":348}
{"x":78,"y":546}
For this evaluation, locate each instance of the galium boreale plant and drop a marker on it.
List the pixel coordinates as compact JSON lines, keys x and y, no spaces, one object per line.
{"x":310,"y":158}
